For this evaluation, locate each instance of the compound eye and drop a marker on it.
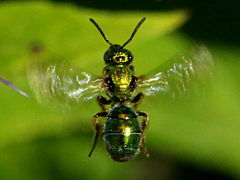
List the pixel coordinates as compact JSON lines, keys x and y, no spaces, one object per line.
{"x":130,"y":57}
{"x":110,"y":59}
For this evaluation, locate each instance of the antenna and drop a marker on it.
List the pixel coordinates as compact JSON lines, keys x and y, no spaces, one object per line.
{"x":134,"y":32}
{"x":100,"y":30}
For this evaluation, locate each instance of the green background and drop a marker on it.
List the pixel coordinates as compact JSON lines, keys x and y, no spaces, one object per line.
{"x":194,"y":137}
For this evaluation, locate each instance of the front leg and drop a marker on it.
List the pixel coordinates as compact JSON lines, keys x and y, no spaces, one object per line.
{"x":144,"y":126}
{"x":98,"y":129}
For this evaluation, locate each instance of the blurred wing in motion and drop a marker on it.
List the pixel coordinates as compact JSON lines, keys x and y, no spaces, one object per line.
{"x":8,"y":83}
{"x":55,"y":82}
{"x":177,"y":76}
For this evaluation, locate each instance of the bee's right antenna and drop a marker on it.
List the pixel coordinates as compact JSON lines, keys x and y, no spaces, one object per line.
{"x":134,"y":31}
{"x":100,"y":30}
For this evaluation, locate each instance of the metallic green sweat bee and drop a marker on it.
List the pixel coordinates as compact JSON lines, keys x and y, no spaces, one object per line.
{"x":123,"y":130}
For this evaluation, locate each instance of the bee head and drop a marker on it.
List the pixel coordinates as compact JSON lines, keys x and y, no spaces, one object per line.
{"x":116,"y":55}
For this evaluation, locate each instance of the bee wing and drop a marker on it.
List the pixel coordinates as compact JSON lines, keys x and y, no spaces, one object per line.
{"x":56,"y":82}
{"x":176,"y":77}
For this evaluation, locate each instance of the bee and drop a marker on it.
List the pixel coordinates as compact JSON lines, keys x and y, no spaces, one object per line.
{"x":123,"y":132}
{"x":124,"y":127}
{"x":8,"y":83}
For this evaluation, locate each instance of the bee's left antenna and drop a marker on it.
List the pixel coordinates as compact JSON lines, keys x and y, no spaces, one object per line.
{"x":100,"y":30}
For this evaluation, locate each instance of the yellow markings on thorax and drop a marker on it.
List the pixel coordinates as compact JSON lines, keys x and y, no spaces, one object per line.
{"x":121,"y":78}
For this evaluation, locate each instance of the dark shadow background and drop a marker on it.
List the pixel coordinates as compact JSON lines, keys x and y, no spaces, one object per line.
{"x":212,"y":20}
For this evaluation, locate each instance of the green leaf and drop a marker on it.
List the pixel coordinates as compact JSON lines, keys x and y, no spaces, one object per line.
{"x":66,"y":32}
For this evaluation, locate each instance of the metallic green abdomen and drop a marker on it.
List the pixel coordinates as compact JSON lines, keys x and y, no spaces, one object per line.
{"x":122,"y":134}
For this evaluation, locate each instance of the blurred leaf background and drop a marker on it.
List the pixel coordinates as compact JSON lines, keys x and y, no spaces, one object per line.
{"x":195,"y":137}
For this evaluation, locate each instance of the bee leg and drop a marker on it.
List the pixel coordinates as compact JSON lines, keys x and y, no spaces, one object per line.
{"x":102,"y":101}
{"x":137,"y":99}
{"x":144,"y":126}
{"x":98,"y":129}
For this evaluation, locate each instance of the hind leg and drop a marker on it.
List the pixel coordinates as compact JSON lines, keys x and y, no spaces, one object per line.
{"x":137,"y":99}
{"x":102,"y":101}
{"x":144,"y":127}
{"x":98,"y":129}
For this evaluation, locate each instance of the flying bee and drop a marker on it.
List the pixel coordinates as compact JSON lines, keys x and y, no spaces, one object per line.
{"x":8,"y":83}
{"x":123,"y":130}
